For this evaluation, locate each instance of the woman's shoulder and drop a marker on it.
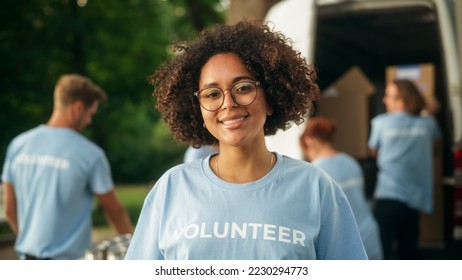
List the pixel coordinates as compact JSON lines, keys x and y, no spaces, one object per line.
{"x":347,"y":158}
{"x":385,"y":116}
{"x":300,"y":168}
{"x":182,"y":169}
{"x":290,"y":162}
{"x":306,"y":177}
{"x":172,"y":177}
{"x":428,"y":119}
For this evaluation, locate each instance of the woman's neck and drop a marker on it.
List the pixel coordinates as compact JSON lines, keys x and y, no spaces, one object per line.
{"x":324,"y":150}
{"x":240,"y":165}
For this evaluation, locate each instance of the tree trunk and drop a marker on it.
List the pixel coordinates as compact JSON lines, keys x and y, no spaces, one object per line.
{"x":248,"y":9}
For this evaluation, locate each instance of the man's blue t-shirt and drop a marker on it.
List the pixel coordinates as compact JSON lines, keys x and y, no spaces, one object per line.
{"x":55,"y":173}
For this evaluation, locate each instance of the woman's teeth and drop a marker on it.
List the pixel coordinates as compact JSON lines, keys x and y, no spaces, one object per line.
{"x":233,"y":120}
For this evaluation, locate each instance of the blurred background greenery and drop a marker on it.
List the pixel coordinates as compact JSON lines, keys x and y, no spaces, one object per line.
{"x":131,"y":197}
{"x":117,"y":44}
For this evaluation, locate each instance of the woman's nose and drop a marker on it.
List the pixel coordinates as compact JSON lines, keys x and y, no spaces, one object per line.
{"x":228,"y":101}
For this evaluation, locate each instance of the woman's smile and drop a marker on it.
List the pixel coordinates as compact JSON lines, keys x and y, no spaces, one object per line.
{"x":233,"y":120}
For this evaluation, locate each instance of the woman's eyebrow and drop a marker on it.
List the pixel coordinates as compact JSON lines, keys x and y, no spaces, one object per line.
{"x":235,"y":80}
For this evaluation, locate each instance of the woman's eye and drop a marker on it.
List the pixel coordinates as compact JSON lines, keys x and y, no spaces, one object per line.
{"x":213,"y":93}
{"x":243,"y":87}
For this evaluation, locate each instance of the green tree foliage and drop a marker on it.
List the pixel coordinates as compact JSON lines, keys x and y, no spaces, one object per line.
{"x":116,"y":43}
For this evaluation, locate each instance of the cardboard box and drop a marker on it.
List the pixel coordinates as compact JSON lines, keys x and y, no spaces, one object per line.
{"x":431,"y":225}
{"x":347,"y":102}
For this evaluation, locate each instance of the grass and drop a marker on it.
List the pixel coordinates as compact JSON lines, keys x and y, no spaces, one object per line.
{"x":131,"y":196}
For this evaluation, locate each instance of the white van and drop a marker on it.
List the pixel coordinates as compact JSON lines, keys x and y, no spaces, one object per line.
{"x":373,"y":35}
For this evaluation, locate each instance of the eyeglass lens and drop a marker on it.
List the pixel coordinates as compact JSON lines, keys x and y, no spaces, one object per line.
{"x":243,"y":93}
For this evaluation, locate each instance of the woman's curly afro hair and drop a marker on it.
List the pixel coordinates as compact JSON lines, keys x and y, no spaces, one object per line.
{"x":288,"y":82}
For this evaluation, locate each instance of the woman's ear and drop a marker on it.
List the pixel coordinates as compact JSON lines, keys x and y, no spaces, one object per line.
{"x":304,"y":142}
{"x":269,"y":111}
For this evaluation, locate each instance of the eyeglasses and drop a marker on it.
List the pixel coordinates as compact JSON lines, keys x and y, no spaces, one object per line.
{"x":243,"y":93}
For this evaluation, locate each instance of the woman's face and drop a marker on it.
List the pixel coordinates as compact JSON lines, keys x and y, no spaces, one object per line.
{"x":233,"y":124}
{"x":391,"y":99}
{"x":309,"y":149}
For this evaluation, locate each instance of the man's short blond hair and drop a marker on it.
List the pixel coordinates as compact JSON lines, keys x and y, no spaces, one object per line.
{"x":75,"y":87}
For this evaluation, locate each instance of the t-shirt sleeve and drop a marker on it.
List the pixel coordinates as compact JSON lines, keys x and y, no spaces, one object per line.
{"x":7,"y":175}
{"x":339,"y":237}
{"x":100,"y":178}
{"x":374,"y":139}
{"x":435,"y":129}
{"x":144,"y":244}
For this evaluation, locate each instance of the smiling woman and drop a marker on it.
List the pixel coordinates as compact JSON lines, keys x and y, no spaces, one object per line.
{"x":230,"y":88}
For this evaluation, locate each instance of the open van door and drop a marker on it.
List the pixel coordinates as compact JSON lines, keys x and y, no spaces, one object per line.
{"x":376,"y":35}
{"x":295,"y":19}
{"x":456,"y":180}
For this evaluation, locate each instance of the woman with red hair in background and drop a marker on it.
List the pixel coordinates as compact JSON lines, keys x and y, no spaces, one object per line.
{"x":317,"y":145}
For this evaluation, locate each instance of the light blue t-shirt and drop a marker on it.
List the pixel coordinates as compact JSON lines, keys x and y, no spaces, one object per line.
{"x":55,"y":173}
{"x":294,"y":212}
{"x":346,"y":171}
{"x":405,"y":158}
